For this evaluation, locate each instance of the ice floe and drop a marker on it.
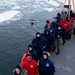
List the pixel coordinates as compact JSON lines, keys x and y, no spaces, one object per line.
{"x":8,"y":15}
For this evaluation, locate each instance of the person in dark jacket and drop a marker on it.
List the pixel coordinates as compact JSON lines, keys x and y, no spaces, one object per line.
{"x":60,"y":38}
{"x":49,"y":38}
{"x":39,"y":44}
{"x":58,"y":17}
{"x":46,"y":66}
{"x":64,"y":34}
{"x":33,"y":53}
{"x":71,"y":14}
{"x":48,"y":26}
{"x":54,"y":24}
{"x":19,"y":71}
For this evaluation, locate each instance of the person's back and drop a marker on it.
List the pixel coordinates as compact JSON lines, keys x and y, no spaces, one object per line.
{"x":46,"y":66}
{"x":30,"y":65}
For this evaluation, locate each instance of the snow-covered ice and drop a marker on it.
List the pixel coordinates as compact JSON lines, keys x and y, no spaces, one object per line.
{"x":49,"y":9}
{"x":7,"y":15}
{"x":54,"y":3}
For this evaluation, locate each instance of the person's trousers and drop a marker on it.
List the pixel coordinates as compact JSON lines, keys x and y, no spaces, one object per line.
{"x":69,"y":35}
{"x":58,"y":43}
{"x":63,"y":40}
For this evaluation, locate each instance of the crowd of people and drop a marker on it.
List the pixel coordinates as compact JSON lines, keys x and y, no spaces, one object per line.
{"x":36,"y":61}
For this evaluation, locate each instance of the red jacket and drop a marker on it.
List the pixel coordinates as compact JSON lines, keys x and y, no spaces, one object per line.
{"x":31,"y":66}
{"x":24,"y":57}
{"x":66,"y":25}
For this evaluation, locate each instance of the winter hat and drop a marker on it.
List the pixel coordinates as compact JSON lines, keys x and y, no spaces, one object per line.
{"x":18,"y":66}
{"x":72,"y":19}
{"x":30,"y":46}
{"x":58,"y":14}
{"x":38,"y":33}
{"x":48,"y":21}
{"x":47,"y":30}
{"x":45,"y":53}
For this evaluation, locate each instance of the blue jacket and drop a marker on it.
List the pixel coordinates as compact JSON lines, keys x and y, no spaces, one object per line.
{"x":55,"y":25}
{"x":38,"y":44}
{"x":51,"y":29}
{"x":46,"y":67}
{"x":34,"y":55}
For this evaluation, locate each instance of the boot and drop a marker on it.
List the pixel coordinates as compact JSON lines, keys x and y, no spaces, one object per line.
{"x":58,"y":52}
{"x":63,"y":44}
{"x":53,"y":49}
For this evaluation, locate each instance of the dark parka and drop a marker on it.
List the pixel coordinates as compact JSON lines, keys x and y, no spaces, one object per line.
{"x":51,"y":29}
{"x":49,"y":38}
{"x":46,"y":66}
{"x":61,"y":33}
{"x":33,"y":53}
{"x":58,"y":17}
{"x":38,"y":44}
{"x":54,"y":25}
